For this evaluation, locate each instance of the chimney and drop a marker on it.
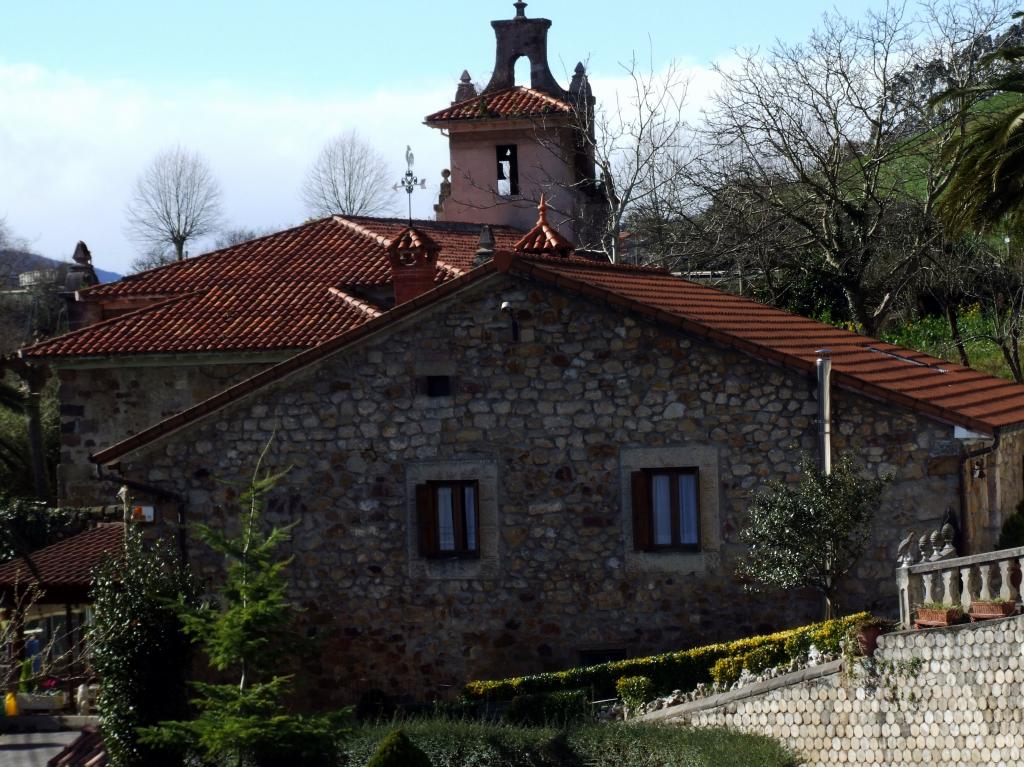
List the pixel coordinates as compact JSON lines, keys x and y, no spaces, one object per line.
{"x":485,"y":248}
{"x":413,"y":259}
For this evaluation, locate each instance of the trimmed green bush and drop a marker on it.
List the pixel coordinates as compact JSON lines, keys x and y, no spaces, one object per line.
{"x":634,"y":692}
{"x":681,"y":670}
{"x":396,"y":750}
{"x":553,"y":709}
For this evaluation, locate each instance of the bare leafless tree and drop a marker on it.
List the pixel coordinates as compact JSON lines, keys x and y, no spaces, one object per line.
{"x":827,"y":136}
{"x":175,"y":200}
{"x":349,"y":177}
{"x":239,"y":234}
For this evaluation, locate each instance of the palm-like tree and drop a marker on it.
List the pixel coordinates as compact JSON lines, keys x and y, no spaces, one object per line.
{"x":987,"y":187}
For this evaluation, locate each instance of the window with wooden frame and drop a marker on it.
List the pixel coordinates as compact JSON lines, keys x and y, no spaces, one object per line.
{"x":666,"y":509}
{"x":448,"y":519}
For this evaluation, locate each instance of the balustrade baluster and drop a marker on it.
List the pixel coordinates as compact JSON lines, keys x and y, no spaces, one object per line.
{"x":965,"y":591}
{"x":926,"y":579}
{"x":985,"y":570}
{"x":1005,"y":588}
{"x":950,"y":590}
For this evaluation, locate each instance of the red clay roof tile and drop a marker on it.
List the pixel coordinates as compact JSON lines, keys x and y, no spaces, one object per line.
{"x":517,"y":101}
{"x":272,"y":293}
{"x":67,"y":564}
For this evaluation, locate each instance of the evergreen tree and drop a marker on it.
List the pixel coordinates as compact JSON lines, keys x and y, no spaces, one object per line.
{"x":810,"y":535}
{"x":249,"y":634}
{"x":138,"y":649}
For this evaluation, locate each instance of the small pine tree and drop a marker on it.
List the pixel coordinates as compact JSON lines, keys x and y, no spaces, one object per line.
{"x":138,"y":648}
{"x":396,"y":750}
{"x":250,"y":634}
{"x":810,"y":535}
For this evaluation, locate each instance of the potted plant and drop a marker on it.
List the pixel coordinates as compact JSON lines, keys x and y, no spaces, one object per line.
{"x":938,"y":614}
{"x":864,"y":634}
{"x":987,"y":609}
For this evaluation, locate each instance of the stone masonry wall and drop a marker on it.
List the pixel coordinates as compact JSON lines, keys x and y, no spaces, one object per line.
{"x":549,"y":425}
{"x":963,"y":706}
{"x":100,"y":406}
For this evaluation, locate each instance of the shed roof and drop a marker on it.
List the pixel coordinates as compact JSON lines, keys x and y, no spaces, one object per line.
{"x":64,"y":570}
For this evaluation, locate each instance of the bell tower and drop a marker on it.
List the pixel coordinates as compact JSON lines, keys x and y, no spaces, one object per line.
{"x":512,"y":143}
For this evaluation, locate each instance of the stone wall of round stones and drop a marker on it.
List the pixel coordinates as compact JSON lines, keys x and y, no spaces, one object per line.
{"x":963,"y":706}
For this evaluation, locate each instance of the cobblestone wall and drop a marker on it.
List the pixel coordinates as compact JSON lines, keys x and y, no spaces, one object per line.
{"x":101,"y":405}
{"x":550,"y":426}
{"x":963,"y":705}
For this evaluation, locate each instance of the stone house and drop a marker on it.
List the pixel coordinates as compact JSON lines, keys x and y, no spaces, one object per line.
{"x":506,"y":457}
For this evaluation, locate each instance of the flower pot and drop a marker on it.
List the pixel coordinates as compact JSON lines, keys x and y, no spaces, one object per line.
{"x":987,"y":610}
{"x":28,"y":701}
{"x":938,"y":616}
{"x":867,"y":639}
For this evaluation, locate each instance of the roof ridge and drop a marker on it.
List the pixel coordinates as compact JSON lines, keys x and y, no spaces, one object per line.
{"x":358,"y":303}
{"x":363,"y":231}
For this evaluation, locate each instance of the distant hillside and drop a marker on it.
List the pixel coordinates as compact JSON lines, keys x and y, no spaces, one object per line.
{"x":14,"y":262}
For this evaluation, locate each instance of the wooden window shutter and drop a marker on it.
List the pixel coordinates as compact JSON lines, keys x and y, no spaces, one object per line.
{"x":426,"y":520}
{"x":641,"y":510}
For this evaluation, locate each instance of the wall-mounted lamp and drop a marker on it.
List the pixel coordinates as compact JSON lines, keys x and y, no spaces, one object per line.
{"x":978,"y":470}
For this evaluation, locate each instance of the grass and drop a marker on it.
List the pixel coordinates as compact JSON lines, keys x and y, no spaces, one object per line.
{"x":478,"y":744}
{"x":931,"y":335}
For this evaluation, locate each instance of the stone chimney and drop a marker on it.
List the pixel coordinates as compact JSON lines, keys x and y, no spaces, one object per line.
{"x":413,"y":259}
{"x":485,"y":248}
{"x":520,"y":37}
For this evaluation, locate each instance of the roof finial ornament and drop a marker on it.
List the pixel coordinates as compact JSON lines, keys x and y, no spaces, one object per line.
{"x":542,"y":207}
{"x":520,"y":9}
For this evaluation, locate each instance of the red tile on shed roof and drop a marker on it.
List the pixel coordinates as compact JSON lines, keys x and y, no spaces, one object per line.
{"x":66,"y":564}
{"x":517,"y":101}
{"x":271,"y":293}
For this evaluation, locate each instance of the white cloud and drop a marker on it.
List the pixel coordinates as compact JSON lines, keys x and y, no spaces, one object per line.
{"x":70,"y":148}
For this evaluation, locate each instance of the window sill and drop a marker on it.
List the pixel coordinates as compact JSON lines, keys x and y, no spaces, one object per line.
{"x":672,"y":561}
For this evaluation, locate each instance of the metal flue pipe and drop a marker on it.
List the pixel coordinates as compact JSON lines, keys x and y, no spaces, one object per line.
{"x":824,"y":366}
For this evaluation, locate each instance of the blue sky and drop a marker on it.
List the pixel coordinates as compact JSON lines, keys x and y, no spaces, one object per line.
{"x":89,"y":92}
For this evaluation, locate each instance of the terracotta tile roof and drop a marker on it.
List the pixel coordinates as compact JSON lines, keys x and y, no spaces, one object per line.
{"x":951,"y":393}
{"x":267,"y":294}
{"x":544,"y":239}
{"x":517,"y":101}
{"x":64,"y":567}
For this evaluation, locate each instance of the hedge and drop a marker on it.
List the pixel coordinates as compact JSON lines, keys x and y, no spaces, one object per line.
{"x":680,"y":670}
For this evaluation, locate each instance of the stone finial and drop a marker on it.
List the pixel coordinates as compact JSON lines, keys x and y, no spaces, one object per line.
{"x":936,"y":545}
{"x":466,"y":89}
{"x":82,"y":255}
{"x":948,"y":549}
{"x":520,"y":9}
{"x":485,"y":248}
{"x":922,"y":546}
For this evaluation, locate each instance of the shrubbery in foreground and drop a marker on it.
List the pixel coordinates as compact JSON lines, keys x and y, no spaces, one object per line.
{"x":467,"y":744}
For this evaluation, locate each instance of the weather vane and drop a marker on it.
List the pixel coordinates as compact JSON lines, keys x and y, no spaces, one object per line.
{"x":409,"y":182}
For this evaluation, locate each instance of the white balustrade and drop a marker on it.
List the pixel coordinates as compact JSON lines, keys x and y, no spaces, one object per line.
{"x":958,"y":581}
